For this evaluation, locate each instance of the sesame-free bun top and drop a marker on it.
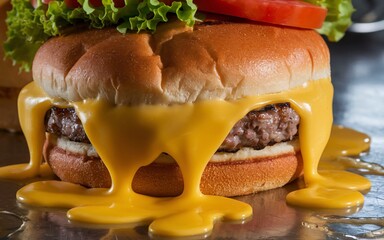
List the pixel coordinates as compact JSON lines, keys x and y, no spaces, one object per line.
{"x":179,"y":64}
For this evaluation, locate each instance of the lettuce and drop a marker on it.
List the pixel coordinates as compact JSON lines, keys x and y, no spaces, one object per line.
{"x":338,"y":18}
{"x":29,"y":28}
{"x":25,"y":33}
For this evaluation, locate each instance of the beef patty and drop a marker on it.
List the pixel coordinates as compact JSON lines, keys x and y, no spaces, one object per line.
{"x":258,"y":129}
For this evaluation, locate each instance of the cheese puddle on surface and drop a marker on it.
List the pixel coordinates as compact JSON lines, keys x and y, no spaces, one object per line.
{"x":127,"y":138}
{"x":331,"y":187}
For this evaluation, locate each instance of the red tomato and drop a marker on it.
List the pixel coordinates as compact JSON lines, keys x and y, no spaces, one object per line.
{"x":72,"y":4}
{"x":34,"y":3}
{"x":293,"y":13}
{"x":95,"y":3}
{"x":119,"y":3}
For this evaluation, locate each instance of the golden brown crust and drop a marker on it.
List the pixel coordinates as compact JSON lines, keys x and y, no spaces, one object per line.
{"x":230,"y":178}
{"x":178,"y":64}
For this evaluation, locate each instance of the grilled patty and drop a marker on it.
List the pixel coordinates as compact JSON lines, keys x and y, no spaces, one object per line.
{"x":258,"y":129}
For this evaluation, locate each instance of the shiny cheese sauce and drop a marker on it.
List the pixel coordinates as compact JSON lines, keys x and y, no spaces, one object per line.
{"x":128,"y":137}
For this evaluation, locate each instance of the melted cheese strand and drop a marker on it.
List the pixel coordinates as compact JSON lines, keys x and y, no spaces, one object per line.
{"x":345,"y":142}
{"x":32,"y":106}
{"x":127,"y":138}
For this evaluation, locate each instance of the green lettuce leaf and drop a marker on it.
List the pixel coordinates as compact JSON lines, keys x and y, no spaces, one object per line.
{"x":157,"y":13}
{"x":338,"y":18}
{"x":25,"y":33}
{"x":29,"y":28}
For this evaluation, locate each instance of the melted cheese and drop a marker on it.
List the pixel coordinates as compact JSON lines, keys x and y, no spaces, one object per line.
{"x":345,"y":142}
{"x":127,"y":138}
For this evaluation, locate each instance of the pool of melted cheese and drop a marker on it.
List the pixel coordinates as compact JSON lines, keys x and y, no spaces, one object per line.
{"x":128,"y":137}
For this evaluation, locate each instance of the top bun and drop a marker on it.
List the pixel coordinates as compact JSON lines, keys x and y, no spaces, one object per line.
{"x":178,"y":64}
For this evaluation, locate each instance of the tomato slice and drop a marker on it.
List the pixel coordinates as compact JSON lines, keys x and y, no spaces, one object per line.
{"x":293,"y":13}
{"x":119,"y":3}
{"x":72,"y":4}
{"x":95,"y":3}
{"x":34,"y":3}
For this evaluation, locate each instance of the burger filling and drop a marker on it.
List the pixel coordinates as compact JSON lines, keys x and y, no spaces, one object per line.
{"x":258,"y":129}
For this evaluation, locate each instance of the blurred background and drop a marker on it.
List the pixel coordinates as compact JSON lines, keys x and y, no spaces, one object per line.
{"x":369,"y":16}
{"x":358,"y":73}
{"x":357,"y":63}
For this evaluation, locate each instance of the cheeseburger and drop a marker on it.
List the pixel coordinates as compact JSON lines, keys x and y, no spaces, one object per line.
{"x":173,"y":103}
{"x":183,"y":66}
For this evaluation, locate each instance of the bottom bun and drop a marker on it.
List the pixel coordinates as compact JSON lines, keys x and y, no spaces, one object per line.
{"x":9,"y":119}
{"x":227,"y":174}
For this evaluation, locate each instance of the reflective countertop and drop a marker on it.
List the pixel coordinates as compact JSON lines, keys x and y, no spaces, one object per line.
{"x":358,"y":78}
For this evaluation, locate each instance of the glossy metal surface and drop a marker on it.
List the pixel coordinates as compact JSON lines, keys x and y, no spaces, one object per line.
{"x":368,"y":17}
{"x":358,"y":77}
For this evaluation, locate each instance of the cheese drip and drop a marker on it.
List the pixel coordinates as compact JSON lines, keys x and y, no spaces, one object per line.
{"x":32,"y":106}
{"x":127,"y":138}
